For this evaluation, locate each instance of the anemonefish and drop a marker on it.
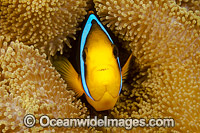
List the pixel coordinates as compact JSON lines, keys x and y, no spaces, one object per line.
{"x":101,"y":76}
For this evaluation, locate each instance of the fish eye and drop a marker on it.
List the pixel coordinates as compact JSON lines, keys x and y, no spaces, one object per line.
{"x":84,"y":55}
{"x":115,"y":51}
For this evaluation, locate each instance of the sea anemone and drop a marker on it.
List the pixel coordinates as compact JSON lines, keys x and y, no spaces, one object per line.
{"x":193,"y":5}
{"x":165,"y":40}
{"x":44,"y":24}
{"x":163,"y":36}
{"x":136,"y":20}
{"x":30,"y":85}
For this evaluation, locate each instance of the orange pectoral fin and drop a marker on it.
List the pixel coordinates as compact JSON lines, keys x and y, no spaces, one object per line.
{"x":126,"y":67}
{"x":69,"y":74}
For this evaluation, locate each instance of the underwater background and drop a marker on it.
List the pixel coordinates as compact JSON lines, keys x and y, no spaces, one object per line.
{"x":163,"y":82}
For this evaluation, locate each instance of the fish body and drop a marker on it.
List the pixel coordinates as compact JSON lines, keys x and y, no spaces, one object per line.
{"x":100,"y":77}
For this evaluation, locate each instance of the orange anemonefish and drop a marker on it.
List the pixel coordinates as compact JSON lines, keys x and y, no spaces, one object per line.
{"x":100,"y":75}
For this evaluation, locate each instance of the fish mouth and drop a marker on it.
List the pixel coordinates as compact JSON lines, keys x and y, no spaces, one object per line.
{"x":102,"y":69}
